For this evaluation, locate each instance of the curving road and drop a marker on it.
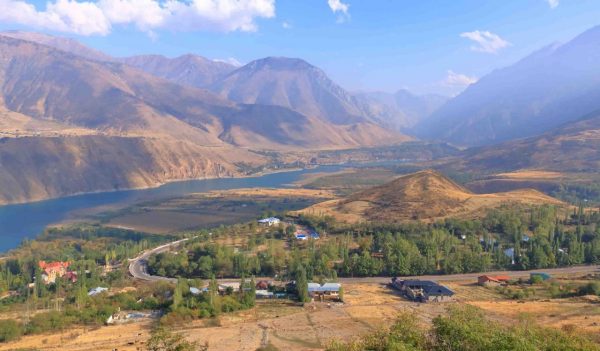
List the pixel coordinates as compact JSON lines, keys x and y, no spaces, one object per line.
{"x":138,"y":268}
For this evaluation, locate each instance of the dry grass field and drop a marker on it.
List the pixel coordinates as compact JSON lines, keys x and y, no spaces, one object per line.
{"x":426,"y":196}
{"x":288,"y":326}
{"x":284,"y":325}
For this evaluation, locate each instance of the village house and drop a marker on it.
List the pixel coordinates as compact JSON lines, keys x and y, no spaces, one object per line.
{"x":269,"y":221}
{"x":53,"y":270}
{"x":305,"y":235}
{"x":492,"y":280}
{"x":422,"y":290}
{"x":325,"y":291}
{"x":263,"y":285}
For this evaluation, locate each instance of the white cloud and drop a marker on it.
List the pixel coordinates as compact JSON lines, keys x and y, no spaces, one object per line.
{"x":286,"y":25}
{"x":454,"y":79}
{"x":486,"y":41}
{"x":230,"y":60}
{"x":99,"y":17}
{"x":339,"y":8}
{"x":553,"y":3}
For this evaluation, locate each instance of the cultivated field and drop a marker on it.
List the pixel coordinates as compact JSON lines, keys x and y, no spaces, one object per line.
{"x":212,"y":209}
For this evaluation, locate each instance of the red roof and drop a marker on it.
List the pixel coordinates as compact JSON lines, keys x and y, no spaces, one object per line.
{"x":53,"y":266}
{"x":494,"y":278}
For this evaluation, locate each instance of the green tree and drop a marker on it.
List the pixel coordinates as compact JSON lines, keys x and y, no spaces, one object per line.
{"x":302,"y":285}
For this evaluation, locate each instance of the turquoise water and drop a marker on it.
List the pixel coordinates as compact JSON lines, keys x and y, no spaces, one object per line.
{"x":18,"y":222}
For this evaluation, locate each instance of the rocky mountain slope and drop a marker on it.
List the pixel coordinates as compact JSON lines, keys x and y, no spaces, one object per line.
{"x":291,"y":83}
{"x":425,"y":195}
{"x":69,"y":115}
{"x":557,"y":84}
{"x":193,"y":70}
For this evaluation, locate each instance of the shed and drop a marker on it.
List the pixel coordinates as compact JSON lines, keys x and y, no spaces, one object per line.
{"x":492,"y":280}
{"x":263,"y":285}
{"x":96,"y":291}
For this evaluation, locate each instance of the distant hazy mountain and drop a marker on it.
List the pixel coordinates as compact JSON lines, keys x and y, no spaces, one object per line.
{"x":61,"y":43}
{"x":557,"y":84}
{"x":291,"y":83}
{"x":191,"y":70}
{"x":401,"y":110}
{"x":572,"y":147}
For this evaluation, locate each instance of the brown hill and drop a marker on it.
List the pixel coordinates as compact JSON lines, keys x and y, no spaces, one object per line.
{"x":573,"y":147}
{"x":425,"y":195}
{"x":37,"y":168}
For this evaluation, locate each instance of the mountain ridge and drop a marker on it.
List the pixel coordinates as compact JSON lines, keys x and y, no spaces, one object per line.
{"x":554,"y":85}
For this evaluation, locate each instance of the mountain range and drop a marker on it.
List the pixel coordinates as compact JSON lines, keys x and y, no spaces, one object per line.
{"x":555,"y":85}
{"x":72,"y":112}
{"x":73,"y":119}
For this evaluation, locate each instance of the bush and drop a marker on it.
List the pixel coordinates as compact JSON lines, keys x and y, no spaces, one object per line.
{"x":536,"y":279}
{"x":591,"y":288}
{"x":10,"y":330}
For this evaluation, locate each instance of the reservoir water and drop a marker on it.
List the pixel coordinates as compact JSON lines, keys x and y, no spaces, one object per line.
{"x":18,"y":222}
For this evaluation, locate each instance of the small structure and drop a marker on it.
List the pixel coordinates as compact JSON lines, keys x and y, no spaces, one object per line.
{"x":53,"y":270}
{"x":264,"y":294}
{"x":510,"y":253}
{"x":269,"y":221}
{"x":543,"y":276}
{"x":195,"y":291}
{"x":422,"y":290}
{"x":97,"y":291}
{"x":263,"y":285}
{"x":492,"y":280}
{"x":305,"y":235}
{"x":327,"y":290}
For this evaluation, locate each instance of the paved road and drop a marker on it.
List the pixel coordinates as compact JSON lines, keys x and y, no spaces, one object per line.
{"x":138,"y":268}
{"x":574,"y":270}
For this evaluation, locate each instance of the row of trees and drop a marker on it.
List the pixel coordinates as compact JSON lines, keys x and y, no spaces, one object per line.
{"x":506,"y":238}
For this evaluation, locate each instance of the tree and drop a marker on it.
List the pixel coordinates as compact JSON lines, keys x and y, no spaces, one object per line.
{"x":302,"y":285}
{"x":162,"y":339}
{"x":178,"y":293}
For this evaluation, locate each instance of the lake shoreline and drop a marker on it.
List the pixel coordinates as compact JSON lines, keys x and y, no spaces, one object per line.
{"x":158,"y":185}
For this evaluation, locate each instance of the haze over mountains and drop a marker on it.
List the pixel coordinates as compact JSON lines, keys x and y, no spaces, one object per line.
{"x":557,"y":84}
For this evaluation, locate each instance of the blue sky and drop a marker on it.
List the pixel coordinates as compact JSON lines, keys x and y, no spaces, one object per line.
{"x":425,"y":46}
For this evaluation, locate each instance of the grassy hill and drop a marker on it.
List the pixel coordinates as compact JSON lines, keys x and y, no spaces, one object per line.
{"x":425,"y":195}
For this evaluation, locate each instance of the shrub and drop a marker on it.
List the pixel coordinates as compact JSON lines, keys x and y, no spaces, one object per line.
{"x":10,"y":330}
{"x":591,"y":288}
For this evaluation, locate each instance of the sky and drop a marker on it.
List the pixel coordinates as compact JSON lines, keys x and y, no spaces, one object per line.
{"x":425,"y":46}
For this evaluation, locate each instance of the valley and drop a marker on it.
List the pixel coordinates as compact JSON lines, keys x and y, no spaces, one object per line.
{"x":224,"y":176}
